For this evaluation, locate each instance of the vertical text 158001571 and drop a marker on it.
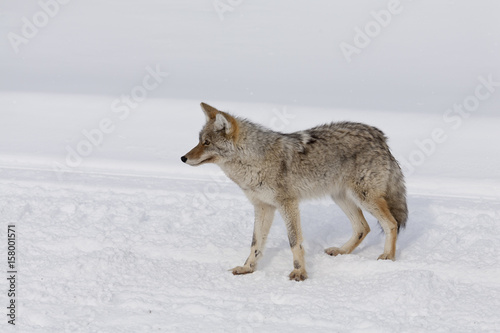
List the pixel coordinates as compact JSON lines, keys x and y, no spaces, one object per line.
{"x":11,"y":273}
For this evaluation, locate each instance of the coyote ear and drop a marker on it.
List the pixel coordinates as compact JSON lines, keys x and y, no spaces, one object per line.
{"x":222,"y":123}
{"x":210,"y":112}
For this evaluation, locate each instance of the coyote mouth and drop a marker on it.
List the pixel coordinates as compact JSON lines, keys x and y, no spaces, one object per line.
{"x":208,"y":160}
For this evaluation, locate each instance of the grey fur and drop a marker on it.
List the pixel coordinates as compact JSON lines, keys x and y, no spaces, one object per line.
{"x":350,"y":162}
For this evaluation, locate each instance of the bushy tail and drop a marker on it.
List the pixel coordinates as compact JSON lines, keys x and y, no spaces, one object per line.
{"x":396,"y":195}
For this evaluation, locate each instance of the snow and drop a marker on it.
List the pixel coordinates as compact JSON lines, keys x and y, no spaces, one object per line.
{"x":104,"y":253}
{"x":115,"y":234}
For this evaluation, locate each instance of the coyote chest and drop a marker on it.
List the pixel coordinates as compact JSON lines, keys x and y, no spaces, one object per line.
{"x":254,"y":184}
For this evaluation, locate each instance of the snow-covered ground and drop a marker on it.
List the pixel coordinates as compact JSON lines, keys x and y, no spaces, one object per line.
{"x":115,"y":234}
{"x":113,"y":253}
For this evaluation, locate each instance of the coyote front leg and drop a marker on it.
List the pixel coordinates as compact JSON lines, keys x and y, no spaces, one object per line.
{"x":264,"y":215}
{"x":289,"y":210}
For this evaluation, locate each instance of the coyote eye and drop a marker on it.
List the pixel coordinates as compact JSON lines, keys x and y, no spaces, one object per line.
{"x":206,"y":143}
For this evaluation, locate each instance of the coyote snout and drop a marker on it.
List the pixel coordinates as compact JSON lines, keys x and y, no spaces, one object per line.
{"x":350,"y":162}
{"x":198,"y":156}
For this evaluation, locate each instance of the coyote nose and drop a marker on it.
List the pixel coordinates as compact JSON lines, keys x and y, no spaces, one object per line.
{"x":184,"y":159}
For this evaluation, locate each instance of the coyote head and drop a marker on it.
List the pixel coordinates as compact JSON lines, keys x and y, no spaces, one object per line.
{"x":217,"y":138}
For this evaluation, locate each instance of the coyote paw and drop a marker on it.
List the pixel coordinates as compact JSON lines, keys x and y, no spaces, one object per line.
{"x":334,"y":251}
{"x":240,"y":270}
{"x":298,"y":275}
{"x":385,"y":256}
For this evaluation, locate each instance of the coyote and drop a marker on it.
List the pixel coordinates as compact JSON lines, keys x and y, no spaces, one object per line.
{"x":350,"y":162}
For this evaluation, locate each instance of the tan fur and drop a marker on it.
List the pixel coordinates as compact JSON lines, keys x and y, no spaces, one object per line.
{"x":197,"y":152}
{"x":211,"y":112}
{"x":390,"y":226}
{"x":235,"y":128}
{"x":350,"y":162}
{"x":359,"y":225}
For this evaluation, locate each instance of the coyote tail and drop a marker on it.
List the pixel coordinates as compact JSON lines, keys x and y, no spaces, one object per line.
{"x":396,"y":195}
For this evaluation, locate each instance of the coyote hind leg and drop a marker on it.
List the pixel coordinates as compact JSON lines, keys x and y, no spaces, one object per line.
{"x":380,"y":209}
{"x":359,"y":225}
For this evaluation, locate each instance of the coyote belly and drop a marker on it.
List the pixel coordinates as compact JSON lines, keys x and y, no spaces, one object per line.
{"x":350,"y":162}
